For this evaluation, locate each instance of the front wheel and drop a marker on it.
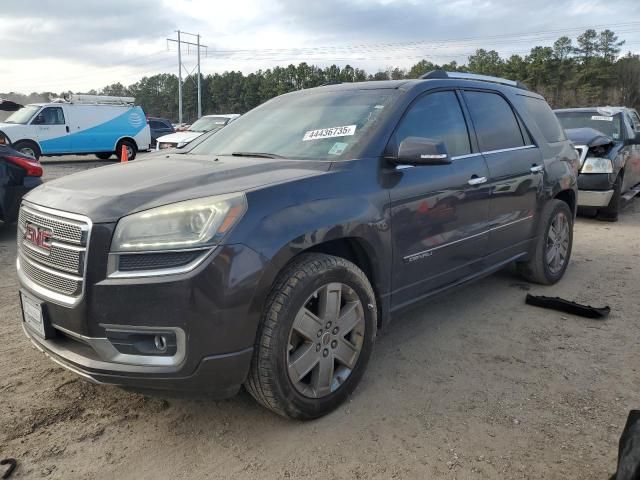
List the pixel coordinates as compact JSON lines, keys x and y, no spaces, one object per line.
{"x":27,"y":148}
{"x":610,"y":212}
{"x":552,"y":250}
{"x":131,"y":149}
{"x":315,"y":339}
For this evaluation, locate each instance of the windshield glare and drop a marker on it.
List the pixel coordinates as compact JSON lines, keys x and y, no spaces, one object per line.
{"x":319,"y":125}
{"x":206,"y":124}
{"x":607,"y":124}
{"x":23,"y":115}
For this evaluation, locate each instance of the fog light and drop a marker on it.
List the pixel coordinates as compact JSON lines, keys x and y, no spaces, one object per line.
{"x":161,"y":343}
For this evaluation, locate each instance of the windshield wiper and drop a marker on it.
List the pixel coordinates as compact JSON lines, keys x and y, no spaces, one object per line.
{"x":256,"y":154}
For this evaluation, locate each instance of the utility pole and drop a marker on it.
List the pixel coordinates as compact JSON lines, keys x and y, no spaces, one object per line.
{"x":181,"y":66}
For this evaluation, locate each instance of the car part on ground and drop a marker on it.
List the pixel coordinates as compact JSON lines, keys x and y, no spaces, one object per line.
{"x":557,"y":303}
{"x":608,"y":142}
{"x":628,"y":466}
{"x":13,"y":464}
{"x":206,"y":268}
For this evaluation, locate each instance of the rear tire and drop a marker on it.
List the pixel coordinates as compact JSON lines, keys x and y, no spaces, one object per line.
{"x":28,"y":148}
{"x":611,"y":211}
{"x":104,"y":155}
{"x":552,"y":251}
{"x":316,"y":336}
{"x":132,"y":149}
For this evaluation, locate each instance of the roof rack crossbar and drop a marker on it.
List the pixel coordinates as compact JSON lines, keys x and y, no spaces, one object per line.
{"x":438,"y":74}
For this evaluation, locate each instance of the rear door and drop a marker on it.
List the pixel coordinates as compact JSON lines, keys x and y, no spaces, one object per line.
{"x":439,"y":213}
{"x":52,"y":130}
{"x":516,"y":170}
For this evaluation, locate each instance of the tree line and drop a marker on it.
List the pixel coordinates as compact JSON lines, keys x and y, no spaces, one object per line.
{"x":585,"y":73}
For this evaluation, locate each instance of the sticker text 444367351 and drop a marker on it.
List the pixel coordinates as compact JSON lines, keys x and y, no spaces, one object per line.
{"x":343,"y":131}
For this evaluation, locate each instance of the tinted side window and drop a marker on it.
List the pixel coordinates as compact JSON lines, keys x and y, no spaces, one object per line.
{"x":635,"y":119}
{"x":51,"y":116}
{"x":495,"y":122}
{"x":437,"y":116}
{"x":157,"y":125}
{"x":545,"y":119}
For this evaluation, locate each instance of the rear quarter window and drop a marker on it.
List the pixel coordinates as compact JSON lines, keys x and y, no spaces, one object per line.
{"x":545,"y":119}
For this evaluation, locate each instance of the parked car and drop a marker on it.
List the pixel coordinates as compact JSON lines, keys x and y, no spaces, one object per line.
{"x":82,"y":125}
{"x":208,"y":123}
{"x":270,"y":253}
{"x":608,"y":142}
{"x":159,"y":127}
{"x":19,"y":173}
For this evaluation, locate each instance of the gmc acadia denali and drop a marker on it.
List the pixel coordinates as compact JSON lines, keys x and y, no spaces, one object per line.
{"x":270,"y":253}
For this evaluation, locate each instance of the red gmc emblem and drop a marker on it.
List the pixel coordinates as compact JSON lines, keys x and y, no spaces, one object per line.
{"x":38,"y":236}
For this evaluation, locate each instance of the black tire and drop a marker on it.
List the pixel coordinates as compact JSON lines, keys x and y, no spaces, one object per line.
{"x":269,"y":381}
{"x":611,"y":211}
{"x":131,"y":147}
{"x":27,"y":147}
{"x":105,"y":155}
{"x":537,"y":269}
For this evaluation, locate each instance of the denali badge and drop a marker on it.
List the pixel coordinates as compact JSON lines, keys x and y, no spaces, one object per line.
{"x":38,"y":236}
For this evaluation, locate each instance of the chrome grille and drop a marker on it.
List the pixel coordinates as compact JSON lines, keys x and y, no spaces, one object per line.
{"x":57,"y":272}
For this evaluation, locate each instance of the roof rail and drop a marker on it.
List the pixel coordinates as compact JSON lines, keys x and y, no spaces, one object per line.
{"x":82,"y":99}
{"x":438,"y":74}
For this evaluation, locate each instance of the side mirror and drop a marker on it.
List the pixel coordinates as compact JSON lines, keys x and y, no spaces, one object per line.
{"x":422,"y":151}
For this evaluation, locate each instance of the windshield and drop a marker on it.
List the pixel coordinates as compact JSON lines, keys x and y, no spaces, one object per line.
{"x":319,"y":125}
{"x":207,"y":124}
{"x":607,"y":124}
{"x":23,"y":115}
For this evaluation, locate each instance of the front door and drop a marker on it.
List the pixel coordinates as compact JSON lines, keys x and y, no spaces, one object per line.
{"x":439,"y":213}
{"x":52,"y":130}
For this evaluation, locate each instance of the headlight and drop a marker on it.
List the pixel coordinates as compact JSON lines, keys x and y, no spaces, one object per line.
{"x":597,"y":165}
{"x":191,"y":224}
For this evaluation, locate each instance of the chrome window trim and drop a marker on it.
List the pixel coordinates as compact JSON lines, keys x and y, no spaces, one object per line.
{"x":471,"y":155}
{"x":475,"y":235}
{"x":113,"y":261}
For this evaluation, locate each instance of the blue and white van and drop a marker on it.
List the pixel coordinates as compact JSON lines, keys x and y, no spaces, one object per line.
{"x":81,"y":125}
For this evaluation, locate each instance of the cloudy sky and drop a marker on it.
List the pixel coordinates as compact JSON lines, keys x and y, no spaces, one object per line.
{"x":49,"y":45}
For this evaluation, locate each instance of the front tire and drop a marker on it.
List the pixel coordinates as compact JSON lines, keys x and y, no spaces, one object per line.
{"x":554,"y":241}
{"x":611,"y":211}
{"x":28,"y":148}
{"x":315,"y":338}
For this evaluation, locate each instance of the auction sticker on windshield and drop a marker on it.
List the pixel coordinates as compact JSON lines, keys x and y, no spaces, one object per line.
{"x":600,"y":117}
{"x":344,"y":131}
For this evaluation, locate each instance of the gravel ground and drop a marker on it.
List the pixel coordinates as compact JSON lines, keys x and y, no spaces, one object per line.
{"x":475,"y":384}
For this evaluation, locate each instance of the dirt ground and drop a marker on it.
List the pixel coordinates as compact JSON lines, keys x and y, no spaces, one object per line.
{"x":472,"y":385}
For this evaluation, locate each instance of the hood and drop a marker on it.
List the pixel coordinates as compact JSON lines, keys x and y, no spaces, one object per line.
{"x":178,"y":137}
{"x":105,"y":194}
{"x":588,"y":136}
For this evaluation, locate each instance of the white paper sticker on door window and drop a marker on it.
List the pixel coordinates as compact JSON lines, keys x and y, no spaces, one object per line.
{"x":344,"y":131}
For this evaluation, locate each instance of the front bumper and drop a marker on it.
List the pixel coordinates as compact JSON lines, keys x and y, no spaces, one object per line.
{"x":595,"y":189}
{"x":594,"y":198}
{"x":208,"y":309}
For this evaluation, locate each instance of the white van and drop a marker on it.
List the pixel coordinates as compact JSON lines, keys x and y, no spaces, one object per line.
{"x":81,"y":125}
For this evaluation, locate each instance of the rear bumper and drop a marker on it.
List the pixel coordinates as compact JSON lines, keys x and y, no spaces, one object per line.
{"x":594,"y":198}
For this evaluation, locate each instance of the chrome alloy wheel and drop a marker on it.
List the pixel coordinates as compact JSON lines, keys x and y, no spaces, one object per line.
{"x":325,"y":340}
{"x":557,"y":245}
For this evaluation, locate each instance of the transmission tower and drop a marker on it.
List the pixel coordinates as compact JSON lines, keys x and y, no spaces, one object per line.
{"x":182,"y":67}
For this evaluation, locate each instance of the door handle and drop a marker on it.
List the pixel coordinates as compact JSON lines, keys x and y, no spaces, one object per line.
{"x":537,"y":169}
{"x":67,"y":128}
{"x":477,"y":180}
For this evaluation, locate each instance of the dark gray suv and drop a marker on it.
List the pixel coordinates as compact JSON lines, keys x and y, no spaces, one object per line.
{"x":270,"y":253}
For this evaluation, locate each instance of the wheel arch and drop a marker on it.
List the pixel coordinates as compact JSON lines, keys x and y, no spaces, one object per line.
{"x":27,"y":140}
{"x":123,"y":138}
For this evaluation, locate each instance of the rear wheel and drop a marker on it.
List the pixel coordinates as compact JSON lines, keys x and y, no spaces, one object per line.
{"x":552,"y":251}
{"x":315,"y":338}
{"x":28,"y":148}
{"x":610,"y":212}
{"x":104,"y":155}
{"x":131,"y":149}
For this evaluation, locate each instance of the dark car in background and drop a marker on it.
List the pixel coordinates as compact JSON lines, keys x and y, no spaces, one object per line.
{"x":18,"y":174}
{"x":271,"y":252}
{"x":608,"y":142}
{"x":159,"y":127}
